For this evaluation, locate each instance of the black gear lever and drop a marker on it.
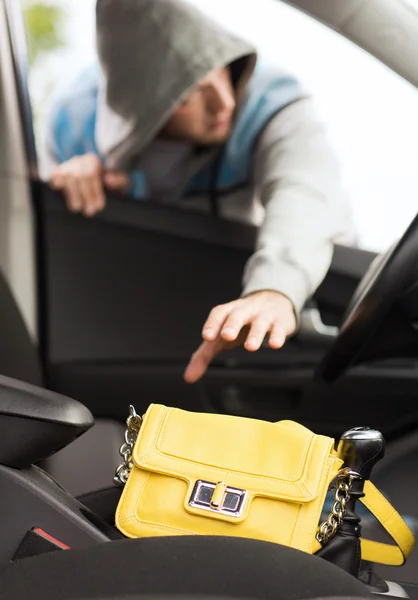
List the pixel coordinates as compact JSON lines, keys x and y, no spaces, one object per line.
{"x":360,"y":449}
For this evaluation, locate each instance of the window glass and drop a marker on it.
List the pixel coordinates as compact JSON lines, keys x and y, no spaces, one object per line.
{"x":371,"y":112}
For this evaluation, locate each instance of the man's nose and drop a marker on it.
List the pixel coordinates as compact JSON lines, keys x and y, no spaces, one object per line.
{"x":223,"y":100}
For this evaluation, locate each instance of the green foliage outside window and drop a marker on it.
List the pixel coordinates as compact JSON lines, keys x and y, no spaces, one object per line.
{"x":44,"y":26}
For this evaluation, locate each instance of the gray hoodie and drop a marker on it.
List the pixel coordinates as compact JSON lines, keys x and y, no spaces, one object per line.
{"x":152,"y":53}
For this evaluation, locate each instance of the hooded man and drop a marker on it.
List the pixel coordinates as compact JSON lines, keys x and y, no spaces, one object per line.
{"x":180,"y":111}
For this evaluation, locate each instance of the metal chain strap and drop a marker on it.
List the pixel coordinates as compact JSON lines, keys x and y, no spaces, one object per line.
{"x":133,"y":425}
{"x":343,"y":485}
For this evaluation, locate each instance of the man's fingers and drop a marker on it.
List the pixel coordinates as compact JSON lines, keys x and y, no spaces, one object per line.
{"x":232,"y":326}
{"x":57,"y":180}
{"x":246,"y":322}
{"x":88,"y":197}
{"x":258,"y":331}
{"x":216,"y":319}
{"x":73,"y":196}
{"x":98,"y":193}
{"x":200,"y":361}
{"x":93,"y":197}
{"x":91,"y":173}
{"x":116,"y":181}
{"x":81,"y":180}
{"x":277,"y":335}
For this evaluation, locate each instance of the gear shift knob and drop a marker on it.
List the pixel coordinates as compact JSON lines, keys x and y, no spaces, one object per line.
{"x":361,"y":448}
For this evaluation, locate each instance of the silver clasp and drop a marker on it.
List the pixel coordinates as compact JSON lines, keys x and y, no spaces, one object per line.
{"x":218,"y":498}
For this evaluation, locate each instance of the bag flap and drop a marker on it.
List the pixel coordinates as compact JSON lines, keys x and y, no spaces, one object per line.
{"x":278,"y":460}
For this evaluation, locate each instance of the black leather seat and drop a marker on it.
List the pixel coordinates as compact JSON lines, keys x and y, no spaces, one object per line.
{"x":97,"y":450}
{"x":194,"y":567}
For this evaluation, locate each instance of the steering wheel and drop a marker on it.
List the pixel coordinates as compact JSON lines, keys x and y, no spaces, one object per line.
{"x":376,"y":294}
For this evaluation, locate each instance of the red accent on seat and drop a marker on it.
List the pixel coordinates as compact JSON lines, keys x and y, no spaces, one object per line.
{"x":50,"y":538}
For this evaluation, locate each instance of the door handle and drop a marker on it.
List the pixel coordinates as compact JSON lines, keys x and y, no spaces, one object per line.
{"x":311,"y":325}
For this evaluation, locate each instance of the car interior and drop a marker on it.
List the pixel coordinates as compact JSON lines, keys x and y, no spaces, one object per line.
{"x":98,"y":314}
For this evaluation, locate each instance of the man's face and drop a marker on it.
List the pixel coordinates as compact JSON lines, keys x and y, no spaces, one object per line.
{"x":205,"y":117}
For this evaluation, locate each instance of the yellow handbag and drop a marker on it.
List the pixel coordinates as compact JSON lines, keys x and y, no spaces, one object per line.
{"x":190,"y":473}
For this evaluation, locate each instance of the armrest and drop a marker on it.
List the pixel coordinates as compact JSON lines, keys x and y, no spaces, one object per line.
{"x":35,"y":423}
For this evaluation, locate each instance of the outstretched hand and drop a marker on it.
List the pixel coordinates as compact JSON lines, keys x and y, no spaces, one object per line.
{"x":244,"y":322}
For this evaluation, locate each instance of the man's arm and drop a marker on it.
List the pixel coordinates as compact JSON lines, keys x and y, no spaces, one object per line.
{"x":297,"y":178}
{"x":298,"y":181}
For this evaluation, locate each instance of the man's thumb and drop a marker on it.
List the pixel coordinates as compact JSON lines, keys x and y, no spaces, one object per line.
{"x":116,"y":181}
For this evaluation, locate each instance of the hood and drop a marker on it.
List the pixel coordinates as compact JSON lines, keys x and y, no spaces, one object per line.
{"x":152,"y":54}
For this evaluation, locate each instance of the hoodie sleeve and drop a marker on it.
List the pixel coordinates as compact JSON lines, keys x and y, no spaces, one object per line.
{"x":297,"y":178}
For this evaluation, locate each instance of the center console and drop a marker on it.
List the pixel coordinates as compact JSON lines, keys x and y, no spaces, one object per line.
{"x":34,"y":424}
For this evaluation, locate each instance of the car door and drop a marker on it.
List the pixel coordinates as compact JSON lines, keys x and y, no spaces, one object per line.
{"x":122,"y":299}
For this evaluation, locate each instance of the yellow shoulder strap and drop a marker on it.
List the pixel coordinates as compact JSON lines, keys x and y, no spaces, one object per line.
{"x":393,"y":523}
{"x":378,"y":552}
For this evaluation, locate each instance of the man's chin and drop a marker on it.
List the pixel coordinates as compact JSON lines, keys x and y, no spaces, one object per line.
{"x":216,"y":138}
